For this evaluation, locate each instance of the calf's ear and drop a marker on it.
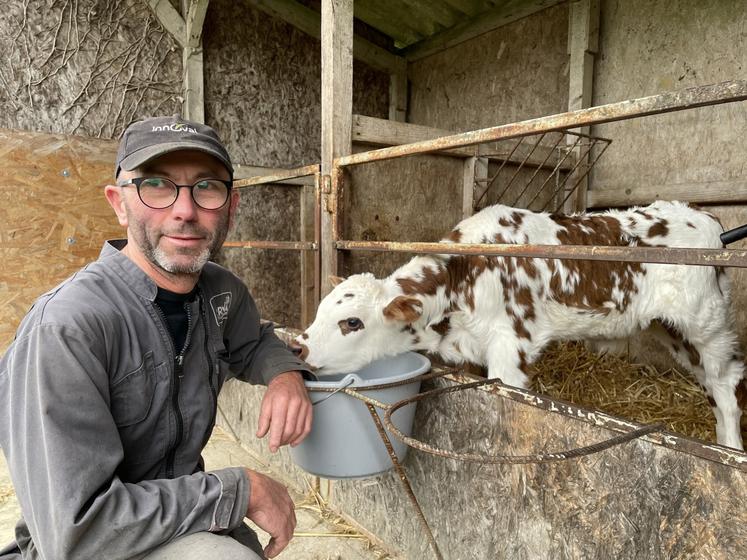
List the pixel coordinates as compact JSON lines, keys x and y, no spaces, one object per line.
{"x":404,"y":308}
{"x":334,"y":280}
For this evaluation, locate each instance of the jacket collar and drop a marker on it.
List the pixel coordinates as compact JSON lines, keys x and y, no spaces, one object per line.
{"x":142,"y":284}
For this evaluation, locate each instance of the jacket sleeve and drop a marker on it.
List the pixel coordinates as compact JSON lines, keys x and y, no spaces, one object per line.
{"x":63,"y":450}
{"x":256,"y":354}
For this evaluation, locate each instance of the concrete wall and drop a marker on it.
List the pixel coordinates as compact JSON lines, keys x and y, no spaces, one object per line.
{"x":516,"y":72}
{"x":652,"y":47}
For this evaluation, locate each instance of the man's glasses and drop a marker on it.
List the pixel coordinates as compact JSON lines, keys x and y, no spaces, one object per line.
{"x":159,"y":193}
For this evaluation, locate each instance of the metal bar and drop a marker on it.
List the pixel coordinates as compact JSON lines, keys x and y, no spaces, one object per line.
{"x":660,"y":255}
{"x":725,"y":92}
{"x":285,"y":245}
{"x":564,"y":455}
{"x":277,"y":177}
{"x":336,"y":198}
{"x":585,"y":173}
{"x":555,"y":173}
{"x":493,"y":179}
{"x":529,"y":182}
{"x":521,"y":165}
{"x":404,"y":480}
{"x":568,"y":175}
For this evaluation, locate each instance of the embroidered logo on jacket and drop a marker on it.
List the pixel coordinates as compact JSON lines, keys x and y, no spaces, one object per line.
{"x":220,"y":304}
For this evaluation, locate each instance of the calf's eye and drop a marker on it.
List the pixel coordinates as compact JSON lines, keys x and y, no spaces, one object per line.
{"x":350,"y":324}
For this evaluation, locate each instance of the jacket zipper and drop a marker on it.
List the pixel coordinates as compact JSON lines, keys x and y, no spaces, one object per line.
{"x":175,"y":387}
{"x":213,"y":390}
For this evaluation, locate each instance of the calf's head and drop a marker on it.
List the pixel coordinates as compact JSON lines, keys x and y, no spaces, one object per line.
{"x":357,"y":323}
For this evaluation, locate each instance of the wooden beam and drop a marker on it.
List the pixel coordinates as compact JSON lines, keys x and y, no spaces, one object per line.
{"x":709,"y":192}
{"x":192,"y":61}
{"x":195,"y":21}
{"x":475,"y":168}
{"x":337,"y":112}
{"x":241,"y":172}
{"x":583,"y":44}
{"x":172,"y":22}
{"x":509,"y":12}
{"x":382,"y":132}
{"x":398,"y":87}
{"x":309,"y":21}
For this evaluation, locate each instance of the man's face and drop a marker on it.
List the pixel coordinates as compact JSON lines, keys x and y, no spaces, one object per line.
{"x":179,"y":239}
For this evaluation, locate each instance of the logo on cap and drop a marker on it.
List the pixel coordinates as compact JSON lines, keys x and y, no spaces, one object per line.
{"x":176,"y":127}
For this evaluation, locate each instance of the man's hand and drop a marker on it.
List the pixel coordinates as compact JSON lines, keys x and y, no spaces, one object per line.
{"x":271,"y":508}
{"x":285,"y":411}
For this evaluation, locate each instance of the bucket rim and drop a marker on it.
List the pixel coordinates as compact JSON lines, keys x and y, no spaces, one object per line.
{"x":352,"y":381}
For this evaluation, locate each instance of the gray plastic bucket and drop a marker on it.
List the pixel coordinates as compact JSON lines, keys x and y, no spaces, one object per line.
{"x":344,"y":442}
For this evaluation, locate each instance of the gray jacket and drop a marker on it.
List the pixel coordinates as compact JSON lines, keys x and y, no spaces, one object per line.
{"x":102,"y":425}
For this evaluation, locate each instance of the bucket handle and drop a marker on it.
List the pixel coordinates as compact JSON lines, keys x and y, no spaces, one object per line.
{"x":344,"y":385}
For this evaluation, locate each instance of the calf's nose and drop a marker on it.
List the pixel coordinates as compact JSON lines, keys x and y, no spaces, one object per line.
{"x":299,"y":350}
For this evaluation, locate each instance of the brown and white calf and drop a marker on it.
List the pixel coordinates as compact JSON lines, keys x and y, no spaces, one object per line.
{"x":501,"y":312}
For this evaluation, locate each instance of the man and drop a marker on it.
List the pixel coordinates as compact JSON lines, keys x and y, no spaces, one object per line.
{"x":109,"y":391}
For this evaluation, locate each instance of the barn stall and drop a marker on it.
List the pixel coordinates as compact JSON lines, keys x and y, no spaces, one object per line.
{"x":664,"y":495}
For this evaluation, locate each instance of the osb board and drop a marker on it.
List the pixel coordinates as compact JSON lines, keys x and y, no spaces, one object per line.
{"x":263,"y":94}
{"x":273,"y":277}
{"x":408,"y":199}
{"x":660,"y":497}
{"x":263,"y":86}
{"x":53,"y":214}
{"x":516,"y":72}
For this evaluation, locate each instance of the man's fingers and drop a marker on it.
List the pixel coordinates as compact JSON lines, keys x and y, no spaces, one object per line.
{"x":303,"y":426}
{"x":263,"y":424}
{"x":277,"y":425}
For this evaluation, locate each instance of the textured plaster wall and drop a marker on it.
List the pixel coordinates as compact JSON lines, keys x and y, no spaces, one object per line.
{"x":88,"y":67}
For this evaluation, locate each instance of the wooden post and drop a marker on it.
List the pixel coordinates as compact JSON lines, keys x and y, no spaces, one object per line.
{"x":194,"y":86}
{"x":583,"y":44}
{"x":308,"y":269}
{"x":187,"y":32}
{"x":398,"y":96}
{"x":474,"y":168}
{"x":337,"y":116}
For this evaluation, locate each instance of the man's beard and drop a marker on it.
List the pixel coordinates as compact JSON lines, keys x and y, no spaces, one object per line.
{"x":148,"y":243}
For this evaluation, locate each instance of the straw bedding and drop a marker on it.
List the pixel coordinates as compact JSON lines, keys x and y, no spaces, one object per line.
{"x":569,"y":371}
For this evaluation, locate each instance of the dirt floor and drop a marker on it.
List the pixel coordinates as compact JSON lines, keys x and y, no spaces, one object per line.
{"x":320,"y":534}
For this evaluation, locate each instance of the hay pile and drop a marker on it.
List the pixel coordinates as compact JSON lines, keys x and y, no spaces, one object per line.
{"x":570,"y":372}
{"x":337,"y":526}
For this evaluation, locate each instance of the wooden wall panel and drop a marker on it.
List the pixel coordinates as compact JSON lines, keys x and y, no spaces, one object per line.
{"x":53,"y":214}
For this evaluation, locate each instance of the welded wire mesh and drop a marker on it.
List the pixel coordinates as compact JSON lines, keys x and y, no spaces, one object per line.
{"x":539,"y":172}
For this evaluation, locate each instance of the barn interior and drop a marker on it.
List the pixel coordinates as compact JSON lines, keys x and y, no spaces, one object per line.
{"x":296,"y":86}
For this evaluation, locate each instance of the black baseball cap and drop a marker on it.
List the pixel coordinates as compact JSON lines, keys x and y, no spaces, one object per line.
{"x":150,"y":138}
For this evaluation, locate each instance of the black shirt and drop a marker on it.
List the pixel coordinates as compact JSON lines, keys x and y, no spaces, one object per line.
{"x":174,"y":308}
